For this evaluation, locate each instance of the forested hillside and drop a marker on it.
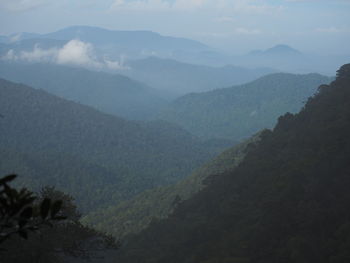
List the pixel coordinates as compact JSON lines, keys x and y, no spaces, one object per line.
{"x":180,"y":78}
{"x":287,"y":201}
{"x":110,"y":93}
{"x":241,"y":111}
{"x":98,"y":158}
{"x":131,"y":216}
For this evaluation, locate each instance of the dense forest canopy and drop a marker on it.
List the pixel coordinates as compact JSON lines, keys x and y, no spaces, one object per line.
{"x":240,"y":111}
{"x":100,"y":158}
{"x":287,"y":201}
{"x":131,"y":216}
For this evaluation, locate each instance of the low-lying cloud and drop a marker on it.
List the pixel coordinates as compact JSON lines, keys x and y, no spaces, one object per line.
{"x":75,"y":52}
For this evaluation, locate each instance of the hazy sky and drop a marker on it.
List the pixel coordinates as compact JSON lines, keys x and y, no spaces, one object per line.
{"x":321,"y":26}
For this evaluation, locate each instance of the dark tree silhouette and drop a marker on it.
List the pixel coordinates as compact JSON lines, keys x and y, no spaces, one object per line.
{"x":20,"y":213}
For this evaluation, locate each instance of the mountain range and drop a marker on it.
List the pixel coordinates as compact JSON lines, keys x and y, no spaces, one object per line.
{"x":128,"y":43}
{"x":119,"y":46}
{"x":240,"y":111}
{"x":96,"y":157}
{"x":287,"y":200}
{"x":179,"y":78}
{"x":110,"y":93}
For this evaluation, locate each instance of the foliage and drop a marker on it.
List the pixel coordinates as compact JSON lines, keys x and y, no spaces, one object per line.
{"x":288,"y":200}
{"x":52,"y":242}
{"x":131,"y":216}
{"x":240,"y":111}
{"x":21,"y":213}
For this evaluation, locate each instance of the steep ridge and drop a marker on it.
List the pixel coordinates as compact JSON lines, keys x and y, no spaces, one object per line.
{"x":287,"y":201}
{"x":132,"y":216}
{"x":240,"y":111}
{"x":49,"y":134}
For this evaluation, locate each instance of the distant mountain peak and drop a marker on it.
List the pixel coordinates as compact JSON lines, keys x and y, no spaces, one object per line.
{"x":89,"y":29}
{"x":282,"y":48}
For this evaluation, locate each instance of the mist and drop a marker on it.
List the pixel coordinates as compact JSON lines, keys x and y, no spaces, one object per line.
{"x":174,"y":131}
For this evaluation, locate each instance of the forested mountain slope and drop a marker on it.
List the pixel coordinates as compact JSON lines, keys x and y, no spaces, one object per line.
{"x":100,"y":158}
{"x":287,"y":201}
{"x":110,"y":93}
{"x":240,"y":111}
{"x":181,"y":78}
{"x":131,"y":216}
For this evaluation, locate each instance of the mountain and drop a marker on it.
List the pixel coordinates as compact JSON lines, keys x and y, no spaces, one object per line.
{"x":114,"y":43}
{"x":180,"y":78}
{"x":289,"y":59}
{"x":287,"y":201}
{"x":131,"y":216}
{"x":3,"y":39}
{"x":278,"y":50}
{"x":134,"y":39}
{"x":110,"y":93}
{"x":99,"y":158}
{"x":240,"y":111}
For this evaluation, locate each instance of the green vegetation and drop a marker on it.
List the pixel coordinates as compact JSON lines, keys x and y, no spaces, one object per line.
{"x":19,"y":213}
{"x":99,"y":158}
{"x":287,"y":201}
{"x":56,"y":238}
{"x":241,"y":111}
{"x":131,"y":216}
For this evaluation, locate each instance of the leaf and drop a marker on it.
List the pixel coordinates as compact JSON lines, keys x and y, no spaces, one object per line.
{"x":59,"y":218}
{"x":45,"y":208}
{"x":56,"y":207}
{"x":8,"y":178}
{"x":22,"y":223}
{"x":23,"y":234}
{"x":27,"y":213}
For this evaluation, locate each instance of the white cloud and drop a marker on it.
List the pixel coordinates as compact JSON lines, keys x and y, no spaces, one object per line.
{"x":79,"y":53}
{"x":38,"y":55}
{"x":75,"y":52}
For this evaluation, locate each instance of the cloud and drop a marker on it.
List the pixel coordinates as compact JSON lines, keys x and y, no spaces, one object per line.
{"x":242,"y":6}
{"x":224,"y":19}
{"x":37,"y":55}
{"x":79,"y":53}
{"x":21,"y":5}
{"x":75,"y":52}
{"x":158,"y":5}
{"x":247,"y":31}
{"x":332,"y":29}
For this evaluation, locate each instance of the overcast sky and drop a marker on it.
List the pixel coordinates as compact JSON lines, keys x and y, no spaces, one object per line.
{"x":321,"y":26}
